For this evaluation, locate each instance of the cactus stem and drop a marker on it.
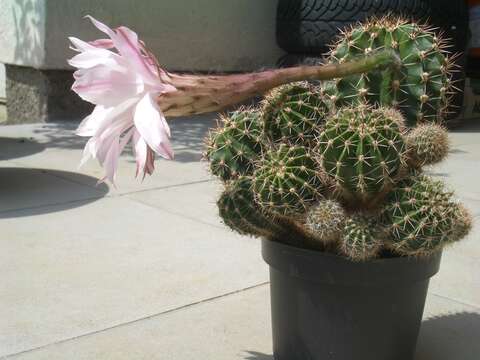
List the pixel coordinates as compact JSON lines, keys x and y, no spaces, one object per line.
{"x":196,"y":94}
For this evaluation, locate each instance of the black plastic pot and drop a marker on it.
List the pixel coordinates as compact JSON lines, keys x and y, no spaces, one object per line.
{"x":327,"y":307}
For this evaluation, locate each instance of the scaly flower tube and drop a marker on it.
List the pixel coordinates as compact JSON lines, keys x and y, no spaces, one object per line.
{"x":133,"y":94}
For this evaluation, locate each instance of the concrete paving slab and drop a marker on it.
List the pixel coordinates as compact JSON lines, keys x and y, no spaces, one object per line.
{"x":458,"y":278}
{"x":461,"y":175}
{"x":238,"y":327}
{"x":467,"y":133}
{"x":195,"y":201}
{"x":232,"y":327}
{"x":68,"y":273}
{"x":33,"y":188}
{"x":470,"y":245}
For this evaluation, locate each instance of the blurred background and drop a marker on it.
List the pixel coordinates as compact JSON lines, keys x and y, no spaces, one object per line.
{"x":200,"y":36}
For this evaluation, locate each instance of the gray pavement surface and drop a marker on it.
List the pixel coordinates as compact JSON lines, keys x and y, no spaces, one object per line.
{"x":148,"y":271}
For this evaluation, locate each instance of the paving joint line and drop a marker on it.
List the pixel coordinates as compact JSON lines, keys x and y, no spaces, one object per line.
{"x":177,"y":214}
{"x":169,"y":311}
{"x":456,"y":300}
{"x":163,"y":187}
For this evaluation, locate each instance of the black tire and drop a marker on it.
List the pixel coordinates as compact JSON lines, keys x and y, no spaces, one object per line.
{"x":290,"y":60}
{"x":309,"y":26}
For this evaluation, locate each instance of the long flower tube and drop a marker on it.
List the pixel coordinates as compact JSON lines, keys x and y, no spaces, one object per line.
{"x":196,"y":94}
{"x":134,"y":95}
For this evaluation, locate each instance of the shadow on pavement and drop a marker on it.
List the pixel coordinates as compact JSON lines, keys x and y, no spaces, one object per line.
{"x":18,"y":147}
{"x":447,"y":337}
{"x":253,"y":355}
{"x":467,"y":126}
{"x":28,"y":192}
{"x":450,"y":337}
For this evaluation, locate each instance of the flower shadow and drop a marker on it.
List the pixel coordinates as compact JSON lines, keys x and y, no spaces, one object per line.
{"x":18,"y":147}
{"x":28,"y":192}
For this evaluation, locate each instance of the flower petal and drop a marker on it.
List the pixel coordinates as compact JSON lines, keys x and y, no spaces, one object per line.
{"x":140,"y":149}
{"x":126,"y":41}
{"x":91,"y":58}
{"x":129,"y":46}
{"x":153,"y":127}
{"x":102,"y":43}
{"x":103,"y":85}
{"x":80,"y":45}
{"x":90,"y":125}
{"x":88,"y":152}
{"x":101,"y":26}
{"x":110,"y":161}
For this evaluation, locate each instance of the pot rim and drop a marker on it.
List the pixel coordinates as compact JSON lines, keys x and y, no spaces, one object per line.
{"x":322,"y":267}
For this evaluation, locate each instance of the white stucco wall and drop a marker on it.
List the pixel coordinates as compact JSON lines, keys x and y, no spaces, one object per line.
{"x":198,"y":35}
{"x":2,"y":83}
{"x":22,"y":32}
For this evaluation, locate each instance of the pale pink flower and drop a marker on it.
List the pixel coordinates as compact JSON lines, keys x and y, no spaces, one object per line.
{"x":124,"y":85}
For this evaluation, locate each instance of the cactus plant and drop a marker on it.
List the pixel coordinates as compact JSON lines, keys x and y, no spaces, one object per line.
{"x":325,"y":221}
{"x":239,"y":211}
{"x":361,"y":238}
{"x":421,"y":215}
{"x":235,"y":144}
{"x":421,"y":87}
{"x":427,"y":144}
{"x":463,"y":223}
{"x":362,"y":150}
{"x":286,"y":180}
{"x":293,"y":113}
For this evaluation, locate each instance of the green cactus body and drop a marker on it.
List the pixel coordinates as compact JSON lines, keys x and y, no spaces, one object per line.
{"x":463,"y":222}
{"x":293,"y":113}
{"x":362,"y":150}
{"x":233,"y":147}
{"x":239,"y":211}
{"x":286,"y":180}
{"x":360,"y":238}
{"x":421,"y":87}
{"x":325,"y":221}
{"x":427,"y":144}
{"x":421,"y":216}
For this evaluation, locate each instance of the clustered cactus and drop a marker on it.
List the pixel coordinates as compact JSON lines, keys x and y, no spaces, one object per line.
{"x":334,"y":167}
